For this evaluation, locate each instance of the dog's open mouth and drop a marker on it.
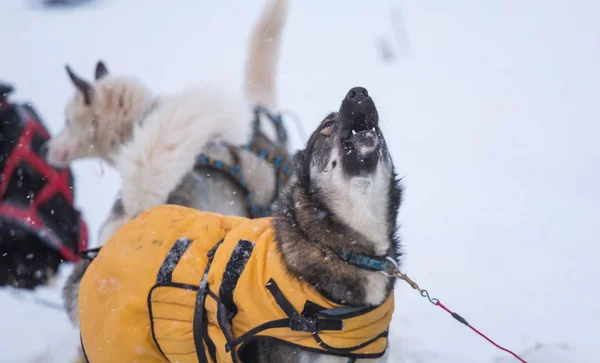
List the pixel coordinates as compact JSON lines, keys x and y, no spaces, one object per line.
{"x":359,"y":124}
{"x":363,"y":136}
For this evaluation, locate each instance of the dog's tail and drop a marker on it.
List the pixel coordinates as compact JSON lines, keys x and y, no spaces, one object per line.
{"x":164,"y":149}
{"x":263,"y":54}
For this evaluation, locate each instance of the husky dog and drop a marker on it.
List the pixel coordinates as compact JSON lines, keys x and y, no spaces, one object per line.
{"x":346,"y":196}
{"x":154,"y":142}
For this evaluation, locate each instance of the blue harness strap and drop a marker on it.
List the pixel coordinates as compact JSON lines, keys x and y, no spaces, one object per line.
{"x":276,"y":120}
{"x":281,"y":164}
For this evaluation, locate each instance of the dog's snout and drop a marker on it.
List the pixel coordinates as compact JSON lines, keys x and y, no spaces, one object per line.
{"x":358,"y":109}
{"x":357,"y":94}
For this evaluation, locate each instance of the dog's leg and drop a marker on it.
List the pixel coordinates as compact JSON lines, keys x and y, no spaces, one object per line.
{"x":71,"y":291}
{"x":263,"y":54}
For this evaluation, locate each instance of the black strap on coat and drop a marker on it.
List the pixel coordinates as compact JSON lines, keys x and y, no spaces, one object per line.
{"x":200,"y":312}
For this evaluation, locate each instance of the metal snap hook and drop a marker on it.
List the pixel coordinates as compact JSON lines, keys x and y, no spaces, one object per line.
{"x":395,"y":271}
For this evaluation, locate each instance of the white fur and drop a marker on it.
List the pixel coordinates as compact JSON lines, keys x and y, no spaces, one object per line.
{"x":96,"y":130}
{"x":376,"y":287}
{"x":165,"y":148}
{"x":363,"y":205}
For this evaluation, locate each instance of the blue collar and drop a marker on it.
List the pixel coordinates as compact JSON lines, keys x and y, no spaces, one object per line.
{"x":374,"y":263}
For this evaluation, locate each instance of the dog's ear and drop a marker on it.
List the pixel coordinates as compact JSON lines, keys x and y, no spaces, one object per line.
{"x":86,"y":89}
{"x":101,"y":70}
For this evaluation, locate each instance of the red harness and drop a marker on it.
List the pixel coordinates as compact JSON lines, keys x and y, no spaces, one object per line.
{"x":46,"y":206}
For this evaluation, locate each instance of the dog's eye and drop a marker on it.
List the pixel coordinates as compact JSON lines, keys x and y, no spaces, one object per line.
{"x":327,"y":128}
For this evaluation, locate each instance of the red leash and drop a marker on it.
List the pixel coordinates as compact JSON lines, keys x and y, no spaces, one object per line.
{"x":463,"y":321}
{"x":437,"y":302}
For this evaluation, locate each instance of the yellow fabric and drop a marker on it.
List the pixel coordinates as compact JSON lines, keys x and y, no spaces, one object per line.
{"x":121,"y":308}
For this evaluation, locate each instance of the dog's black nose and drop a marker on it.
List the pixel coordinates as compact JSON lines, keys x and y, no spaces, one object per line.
{"x":357,"y":94}
{"x":358,"y":110}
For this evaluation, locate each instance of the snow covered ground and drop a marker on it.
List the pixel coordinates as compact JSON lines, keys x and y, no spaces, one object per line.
{"x":491,"y":114}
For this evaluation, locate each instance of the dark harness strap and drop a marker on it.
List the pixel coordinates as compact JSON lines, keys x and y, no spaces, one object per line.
{"x":224,"y":323}
{"x":294,"y":321}
{"x":308,"y":323}
{"x":210,"y":345}
{"x":200,"y":322}
{"x":312,"y":320}
{"x":277,"y":121}
{"x":282,"y":173}
{"x":234,"y":172}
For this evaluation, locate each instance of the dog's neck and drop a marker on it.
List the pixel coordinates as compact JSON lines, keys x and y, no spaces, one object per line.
{"x":329,"y":230}
{"x":309,"y":236}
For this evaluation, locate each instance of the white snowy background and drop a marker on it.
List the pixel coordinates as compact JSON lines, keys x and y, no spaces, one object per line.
{"x":490,"y":109}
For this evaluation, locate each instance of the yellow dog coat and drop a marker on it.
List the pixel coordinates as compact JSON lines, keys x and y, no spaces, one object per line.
{"x":179,"y":285}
